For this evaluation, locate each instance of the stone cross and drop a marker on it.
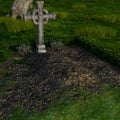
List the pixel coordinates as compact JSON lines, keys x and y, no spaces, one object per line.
{"x":40,"y":17}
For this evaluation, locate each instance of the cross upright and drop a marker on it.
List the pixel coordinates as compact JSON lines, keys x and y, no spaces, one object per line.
{"x":40,"y":17}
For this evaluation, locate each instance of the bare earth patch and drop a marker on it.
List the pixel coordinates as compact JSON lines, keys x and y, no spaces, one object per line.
{"x":37,"y":80}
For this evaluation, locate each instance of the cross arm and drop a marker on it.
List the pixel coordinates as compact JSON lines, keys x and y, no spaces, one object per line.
{"x":50,"y":16}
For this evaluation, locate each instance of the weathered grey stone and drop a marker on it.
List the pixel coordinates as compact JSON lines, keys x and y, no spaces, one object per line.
{"x":20,"y":7}
{"x":40,"y":17}
{"x":24,"y":49}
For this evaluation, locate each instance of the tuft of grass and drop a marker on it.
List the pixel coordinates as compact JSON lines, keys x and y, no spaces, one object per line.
{"x":62,"y":15}
{"x":96,"y":31}
{"x":16,"y":25}
{"x":5,"y":73}
{"x":4,"y":55}
{"x":79,"y":6}
{"x":114,"y":18}
{"x":18,"y":114}
{"x":19,"y":61}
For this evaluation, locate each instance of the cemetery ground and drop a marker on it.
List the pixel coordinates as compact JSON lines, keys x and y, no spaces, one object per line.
{"x":67,"y":83}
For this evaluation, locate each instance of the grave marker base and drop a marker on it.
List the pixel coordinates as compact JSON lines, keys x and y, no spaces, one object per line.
{"x":41,"y":49}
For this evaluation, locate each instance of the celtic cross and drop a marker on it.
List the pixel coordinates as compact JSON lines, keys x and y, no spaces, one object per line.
{"x":40,"y":17}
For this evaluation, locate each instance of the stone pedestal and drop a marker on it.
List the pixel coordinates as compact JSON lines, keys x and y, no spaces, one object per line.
{"x":41,"y":49}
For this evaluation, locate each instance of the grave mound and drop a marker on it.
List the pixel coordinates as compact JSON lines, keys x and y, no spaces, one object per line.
{"x":38,"y":80}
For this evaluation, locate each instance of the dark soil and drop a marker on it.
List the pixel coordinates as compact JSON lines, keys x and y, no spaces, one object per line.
{"x":35,"y":81}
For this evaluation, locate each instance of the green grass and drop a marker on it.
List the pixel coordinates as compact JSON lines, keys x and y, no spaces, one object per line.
{"x":96,"y":21}
{"x":79,"y":6}
{"x":104,"y":106}
{"x":19,"y":61}
{"x":14,"y":25}
{"x":114,"y":18}
{"x":92,"y":24}
{"x":6,"y":73}
{"x":6,"y":83}
{"x":62,"y":15}
{"x":5,"y":6}
{"x":95,"y":31}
